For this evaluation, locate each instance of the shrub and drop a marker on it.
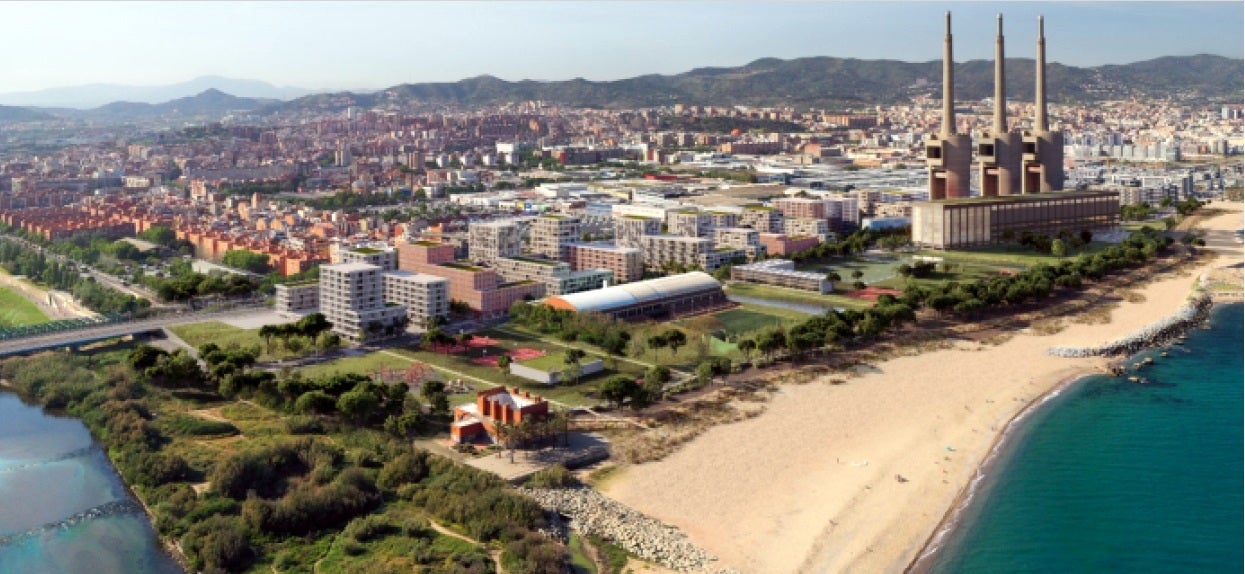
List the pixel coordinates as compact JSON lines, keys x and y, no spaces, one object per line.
{"x":304,"y":425}
{"x":555,"y":476}
{"x":405,"y":469}
{"x":369,"y":528}
{"x":189,"y":425}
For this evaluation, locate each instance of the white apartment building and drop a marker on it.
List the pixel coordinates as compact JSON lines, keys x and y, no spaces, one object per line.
{"x":761,"y":218}
{"x":557,"y":276}
{"x":488,"y":240}
{"x":423,"y":295}
{"x":630,"y":230}
{"x":749,"y":240}
{"x":782,"y":273}
{"x":386,"y":258}
{"x":352,"y":298}
{"x":297,"y":298}
{"x":552,"y":235}
{"x":802,"y":227}
{"x":688,"y":223}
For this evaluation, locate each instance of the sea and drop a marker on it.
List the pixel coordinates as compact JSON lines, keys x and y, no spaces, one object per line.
{"x":1119,"y":476}
{"x":63,"y":507}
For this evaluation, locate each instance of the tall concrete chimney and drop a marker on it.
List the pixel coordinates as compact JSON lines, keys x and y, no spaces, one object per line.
{"x":1043,"y":149}
{"x":1039,"y":120}
{"x":948,"y":83}
{"x":1000,"y":90}
{"x":998,"y":149}
{"x":948,"y":155}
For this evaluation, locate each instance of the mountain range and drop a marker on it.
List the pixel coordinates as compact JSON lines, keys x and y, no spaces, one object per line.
{"x":825,"y":82}
{"x":95,"y":95}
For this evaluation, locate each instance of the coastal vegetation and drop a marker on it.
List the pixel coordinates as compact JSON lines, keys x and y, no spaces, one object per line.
{"x":250,"y":471}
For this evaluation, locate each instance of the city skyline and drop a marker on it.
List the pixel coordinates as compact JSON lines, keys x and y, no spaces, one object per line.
{"x":314,"y":46}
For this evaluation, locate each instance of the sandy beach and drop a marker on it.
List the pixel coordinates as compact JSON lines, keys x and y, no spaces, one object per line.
{"x":811,"y":485}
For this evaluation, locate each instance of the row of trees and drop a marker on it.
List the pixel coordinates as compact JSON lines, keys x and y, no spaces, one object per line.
{"x":856,"y":242}
{"x":836,"y":329}
{"x":21,"y":260}
{"x":595,"y":329}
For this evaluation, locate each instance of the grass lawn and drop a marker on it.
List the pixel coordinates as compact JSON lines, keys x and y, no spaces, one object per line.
{"x":16,"y":311}
{"x":580,"y":563}
{"x":574,"y":394}
{"x":746,"y":318}
{"x":1008,"y":255}
{"x":224,"y":335}
{"x":795,"y":296}
{"x":365,"y":364}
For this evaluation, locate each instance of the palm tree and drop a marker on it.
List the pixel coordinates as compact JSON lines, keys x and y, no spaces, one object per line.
{"x":746,"y":347}
{"x":503,"y":364}
{"x":268,"y":332}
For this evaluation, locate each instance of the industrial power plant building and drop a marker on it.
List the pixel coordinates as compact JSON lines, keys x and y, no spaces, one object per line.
{"x":1022,"y":174}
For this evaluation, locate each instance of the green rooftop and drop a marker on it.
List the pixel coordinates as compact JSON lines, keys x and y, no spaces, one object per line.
{"x":366,"y":251}
{"x":638,"y":217}
{"x":514,"y":283}
{"x":758,"y":208}
{"x":463,"y":267}
{"x":548,"y":262}
{"x":428,"y":243}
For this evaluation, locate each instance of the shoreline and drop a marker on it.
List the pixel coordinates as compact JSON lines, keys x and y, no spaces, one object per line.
{"x":814,"y":483}
{"x":953,"y":519}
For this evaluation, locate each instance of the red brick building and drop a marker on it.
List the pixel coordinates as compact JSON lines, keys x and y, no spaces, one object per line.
{"x":495,"y":407}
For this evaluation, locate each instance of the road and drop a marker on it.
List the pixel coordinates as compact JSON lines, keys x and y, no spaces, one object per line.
{"x":110,"y":330}
{"x":107,"y":280}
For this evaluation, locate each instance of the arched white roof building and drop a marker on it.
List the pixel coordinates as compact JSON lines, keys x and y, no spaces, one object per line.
{"x":675,"y":294}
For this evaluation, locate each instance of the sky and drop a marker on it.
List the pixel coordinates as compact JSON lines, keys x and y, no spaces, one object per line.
{"x":372,"y":45}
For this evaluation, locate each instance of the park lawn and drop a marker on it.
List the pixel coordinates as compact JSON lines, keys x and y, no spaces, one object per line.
{"x":1008,"y":255}
{"x":365,"y":364}
{"x":17,"y":311}
{"x":573,"y":395}
{"x":962,"y":272}
{"x":795,"y":295}
{"x":225,"y":336}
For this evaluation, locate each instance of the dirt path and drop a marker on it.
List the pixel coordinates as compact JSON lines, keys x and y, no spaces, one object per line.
{"x":496,"y":554}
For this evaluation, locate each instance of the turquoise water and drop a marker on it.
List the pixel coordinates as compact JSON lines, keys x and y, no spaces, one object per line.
{"x":1113,"y":476}
{"x":62,"y":506}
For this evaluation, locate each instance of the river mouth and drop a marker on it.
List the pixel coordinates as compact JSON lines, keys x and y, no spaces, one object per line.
{"x":65,"y":507}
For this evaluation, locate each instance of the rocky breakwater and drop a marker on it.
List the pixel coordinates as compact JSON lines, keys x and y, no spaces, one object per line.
{"x":592,"y":513}
{"x":1192,"y":314}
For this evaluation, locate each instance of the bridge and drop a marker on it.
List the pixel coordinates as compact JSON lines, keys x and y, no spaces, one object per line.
{"x":101,"y":332}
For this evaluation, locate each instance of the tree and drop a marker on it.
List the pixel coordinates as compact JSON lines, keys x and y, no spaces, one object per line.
{"x":746,"y":347}
{"x":704,"y":372}
{"x":572,"y":359}
{"x":1058,"y":248}
{"x":833,"y":277}
{"x":267,"y":332}
{"x":358,"y":405}
{"x":857,"y":274}
{"x":675,"y":339}
{"x":503,"y":365}
{"x":246,"y":260}
{"x":657,"y":341}
{"x":617,"y":388}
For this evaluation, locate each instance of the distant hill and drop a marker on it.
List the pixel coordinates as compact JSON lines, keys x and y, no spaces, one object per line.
{"x":16,"y":114}
{"x":823,"y":82}
{"x":95,"y":95}
{"x":208,"y":104}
